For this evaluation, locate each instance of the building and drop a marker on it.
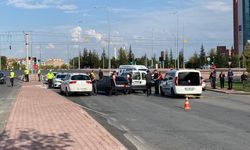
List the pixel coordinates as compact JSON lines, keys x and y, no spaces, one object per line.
{"x":226,"y":52}
{"x":241,"y":24}
{"x":54,"y":62}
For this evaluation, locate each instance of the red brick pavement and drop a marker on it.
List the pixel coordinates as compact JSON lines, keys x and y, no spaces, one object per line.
{"x":42,"y":119}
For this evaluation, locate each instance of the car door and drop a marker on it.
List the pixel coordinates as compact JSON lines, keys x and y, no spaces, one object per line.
{"x":136,"y":79}
{"x":64,"y":83}
{"x":168,"y":84}
{"x":143,"y":79}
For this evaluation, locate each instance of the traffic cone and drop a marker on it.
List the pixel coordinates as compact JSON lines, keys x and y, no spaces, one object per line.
{"x":186,"y":104}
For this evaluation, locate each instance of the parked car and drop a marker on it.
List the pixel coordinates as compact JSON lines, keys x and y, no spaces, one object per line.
{"x":57,"y":81}
{"x":2,"y":78}
{"x":76,"y":83}
{"x":104,"y":85}
{"x":181,"y":82}
{"x":138,"y":80}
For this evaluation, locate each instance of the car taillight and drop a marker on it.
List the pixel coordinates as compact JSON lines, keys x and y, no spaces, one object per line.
{"x":89,"y":82}
{"x":176,"y":81}
{"x":72,"y":82}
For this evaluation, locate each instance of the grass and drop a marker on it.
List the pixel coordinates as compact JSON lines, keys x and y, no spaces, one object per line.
{"x":238,"y":86}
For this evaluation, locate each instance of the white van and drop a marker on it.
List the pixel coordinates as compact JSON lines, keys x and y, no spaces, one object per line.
{"x":129,"y":68}
{"x":138,"y":80}
{"x":182,"y":82}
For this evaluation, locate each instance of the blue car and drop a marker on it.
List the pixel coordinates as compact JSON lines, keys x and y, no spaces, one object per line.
{"x":2,"y":78}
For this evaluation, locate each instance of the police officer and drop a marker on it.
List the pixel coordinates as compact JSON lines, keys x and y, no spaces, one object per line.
{"x":39,"y":75}
{"x":230,"y":75}
{"x":26,"y":75}
{"x":12,"y":76}
{"x":50,"y":77}
{"x":113,"y":83}
{"x":148,"y":82}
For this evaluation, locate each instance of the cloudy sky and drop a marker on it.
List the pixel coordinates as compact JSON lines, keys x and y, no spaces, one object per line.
{"x":149,"y":26}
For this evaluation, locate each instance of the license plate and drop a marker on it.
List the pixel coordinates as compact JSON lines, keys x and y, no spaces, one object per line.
{"x":189,"y":89}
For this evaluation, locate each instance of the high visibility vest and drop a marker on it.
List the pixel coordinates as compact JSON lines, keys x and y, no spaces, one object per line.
{"x":12,"y":74}
{"x":26,"y":72}
{"x":39,"y":71}
{"x":50,"y":75}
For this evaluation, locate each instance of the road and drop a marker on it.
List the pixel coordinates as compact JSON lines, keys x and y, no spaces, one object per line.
{"x":7,"y":98}
{"x":216,"y":121}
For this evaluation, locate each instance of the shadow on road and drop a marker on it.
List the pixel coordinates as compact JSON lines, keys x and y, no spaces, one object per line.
{"x":33,"y":140}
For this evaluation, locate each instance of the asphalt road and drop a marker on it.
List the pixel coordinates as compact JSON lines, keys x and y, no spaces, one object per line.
{"x":7,"y":98}
{"x":216,"y":121}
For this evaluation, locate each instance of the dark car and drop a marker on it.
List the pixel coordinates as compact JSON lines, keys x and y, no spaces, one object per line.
{"x":104,"y":85}
{"x":2,"y":78}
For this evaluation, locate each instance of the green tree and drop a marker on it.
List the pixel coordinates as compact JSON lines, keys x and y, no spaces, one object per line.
{"x":122,"y":57}
{"x":131,"y":55}
{"x":202,"y":56}
{"x":64,"y":66}
{"x":3,"y":62}
{"x":220,"y":60}
{"x":181,"y":58}
{"x":104,"y":60}
{"x":172,"y":61}
{"x":246,"y":54}
{"x":166,"y":61}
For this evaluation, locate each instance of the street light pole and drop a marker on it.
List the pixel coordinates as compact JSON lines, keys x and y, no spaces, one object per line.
{"x":0,"y":52}
{"x":27,"y":49}
{"x":177,"y":40}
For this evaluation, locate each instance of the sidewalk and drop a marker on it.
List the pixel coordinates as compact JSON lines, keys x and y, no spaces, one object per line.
{"x":226,"y":91}
{"x":43,"y":120}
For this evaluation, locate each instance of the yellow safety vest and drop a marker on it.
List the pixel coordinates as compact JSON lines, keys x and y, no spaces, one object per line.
{"x":50,"y":75}
{"x":12,"y":74}
{"x":39,"y":72}
{"x":26,"y":72}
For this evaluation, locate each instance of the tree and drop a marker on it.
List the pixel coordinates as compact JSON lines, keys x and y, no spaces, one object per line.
{"x":220,"y":60}
{"x":246,"y":54}
{"x":181,"y":58}
{"x":104,"y":60}
{"x":122,"y":57}
{"x":130,"y":55}
{"x":64,"y":66}
{"x":202,"y":56}
{"x":166,"y":61}
{"x":3,"y":62}
{"x":172,"y":63}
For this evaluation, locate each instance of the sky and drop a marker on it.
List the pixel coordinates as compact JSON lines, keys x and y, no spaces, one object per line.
{"x":56,"y":28}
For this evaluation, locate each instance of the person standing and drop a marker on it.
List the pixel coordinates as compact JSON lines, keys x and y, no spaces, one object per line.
{"x":26,"y":75}
{"x":12,"y":76}
{"x":244,"y":79}
{"x":100,"y":74}
{"x":93,"y":80}
{"x":148,"y":82}
{"x":113,"y":83}
{"x":39,"y":75}
{"x":50,"y":77}
{"x":214,"y":79}
{"x":230,"y":75}
{"x":156,"y":82}
{"x":222,"y":80}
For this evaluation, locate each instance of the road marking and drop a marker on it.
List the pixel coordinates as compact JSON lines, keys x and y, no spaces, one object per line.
{"x":100,"y":113}
{"x":124,"y":128}
{"x":139,"y":139}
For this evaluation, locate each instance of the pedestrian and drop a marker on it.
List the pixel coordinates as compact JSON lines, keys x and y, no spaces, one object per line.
{"x":244,"y":79}
{"x":12,"y":76}
{"x":26,"y":74}
{"x":148,"y":82}
{"x":100,"y":74}
{"x":210,"y":79}
{"x":50,"y":77}
{"x":230,"y":75}
{"x":93,"y":80}
{"x":129,"y":78}
{"x":156,"y":82}
{"x":222,"y":79}
{"x":113,"y":83}
{"x":214,"y":79}
{"x":39,"y":74}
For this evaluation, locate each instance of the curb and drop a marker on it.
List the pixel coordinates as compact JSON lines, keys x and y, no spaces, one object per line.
{"x":229,"y":92}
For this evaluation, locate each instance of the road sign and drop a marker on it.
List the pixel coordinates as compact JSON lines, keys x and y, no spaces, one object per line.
{"x":35,"y":66}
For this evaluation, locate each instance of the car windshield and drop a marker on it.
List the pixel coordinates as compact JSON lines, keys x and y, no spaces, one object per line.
{"x":80,"y":77}
{"x":61,"y":76}
{"x":189,"y":78}
{"x":120,"y":79}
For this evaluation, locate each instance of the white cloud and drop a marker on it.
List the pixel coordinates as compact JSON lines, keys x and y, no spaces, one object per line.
{"x":51,"y":46}
{"x":218,"y":6}
{"x":93,"y":33}
{"x":41,"y":4}
{"x":76,"y":34}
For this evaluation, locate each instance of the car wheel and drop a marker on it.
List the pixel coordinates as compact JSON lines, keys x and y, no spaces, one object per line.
{"x":89,"y":94}
{"x":162,"y":93}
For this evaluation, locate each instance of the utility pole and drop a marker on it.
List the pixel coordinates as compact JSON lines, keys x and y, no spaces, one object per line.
{"x":79,"y":58}
{"x":40,"y":50}
{"x":177,"y":44}
{"x":0,"y":52}
{"x":152,"y":62}
{"x":68,"y":55}
{"x":27,"y":49}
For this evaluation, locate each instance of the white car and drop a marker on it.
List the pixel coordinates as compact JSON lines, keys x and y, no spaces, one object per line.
{"x":76,"y":83}
{"x":182,"y":82}
{"x":57,"y":81}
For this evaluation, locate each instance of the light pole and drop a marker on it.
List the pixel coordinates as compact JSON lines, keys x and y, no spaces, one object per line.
{"x":0,"y":52}
{"x":27,"y":49}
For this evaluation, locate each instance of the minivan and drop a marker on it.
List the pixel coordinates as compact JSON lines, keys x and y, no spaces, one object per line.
{"x":181,"y":82}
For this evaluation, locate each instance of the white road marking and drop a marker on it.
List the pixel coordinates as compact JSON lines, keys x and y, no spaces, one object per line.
{"x":100,"y":113}
{"x":139,"y":139}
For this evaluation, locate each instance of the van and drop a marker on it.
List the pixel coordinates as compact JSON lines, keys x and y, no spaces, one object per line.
{"x":129,"y":68}
{"x":138,"y":80}
{"x":181,"y":82}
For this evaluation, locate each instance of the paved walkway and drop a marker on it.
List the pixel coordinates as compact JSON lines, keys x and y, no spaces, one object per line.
{"x":42,"y":119}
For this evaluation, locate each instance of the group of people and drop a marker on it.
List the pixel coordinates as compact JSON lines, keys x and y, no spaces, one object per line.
{"x":222,"y":76}
{"x":153,"y":79}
